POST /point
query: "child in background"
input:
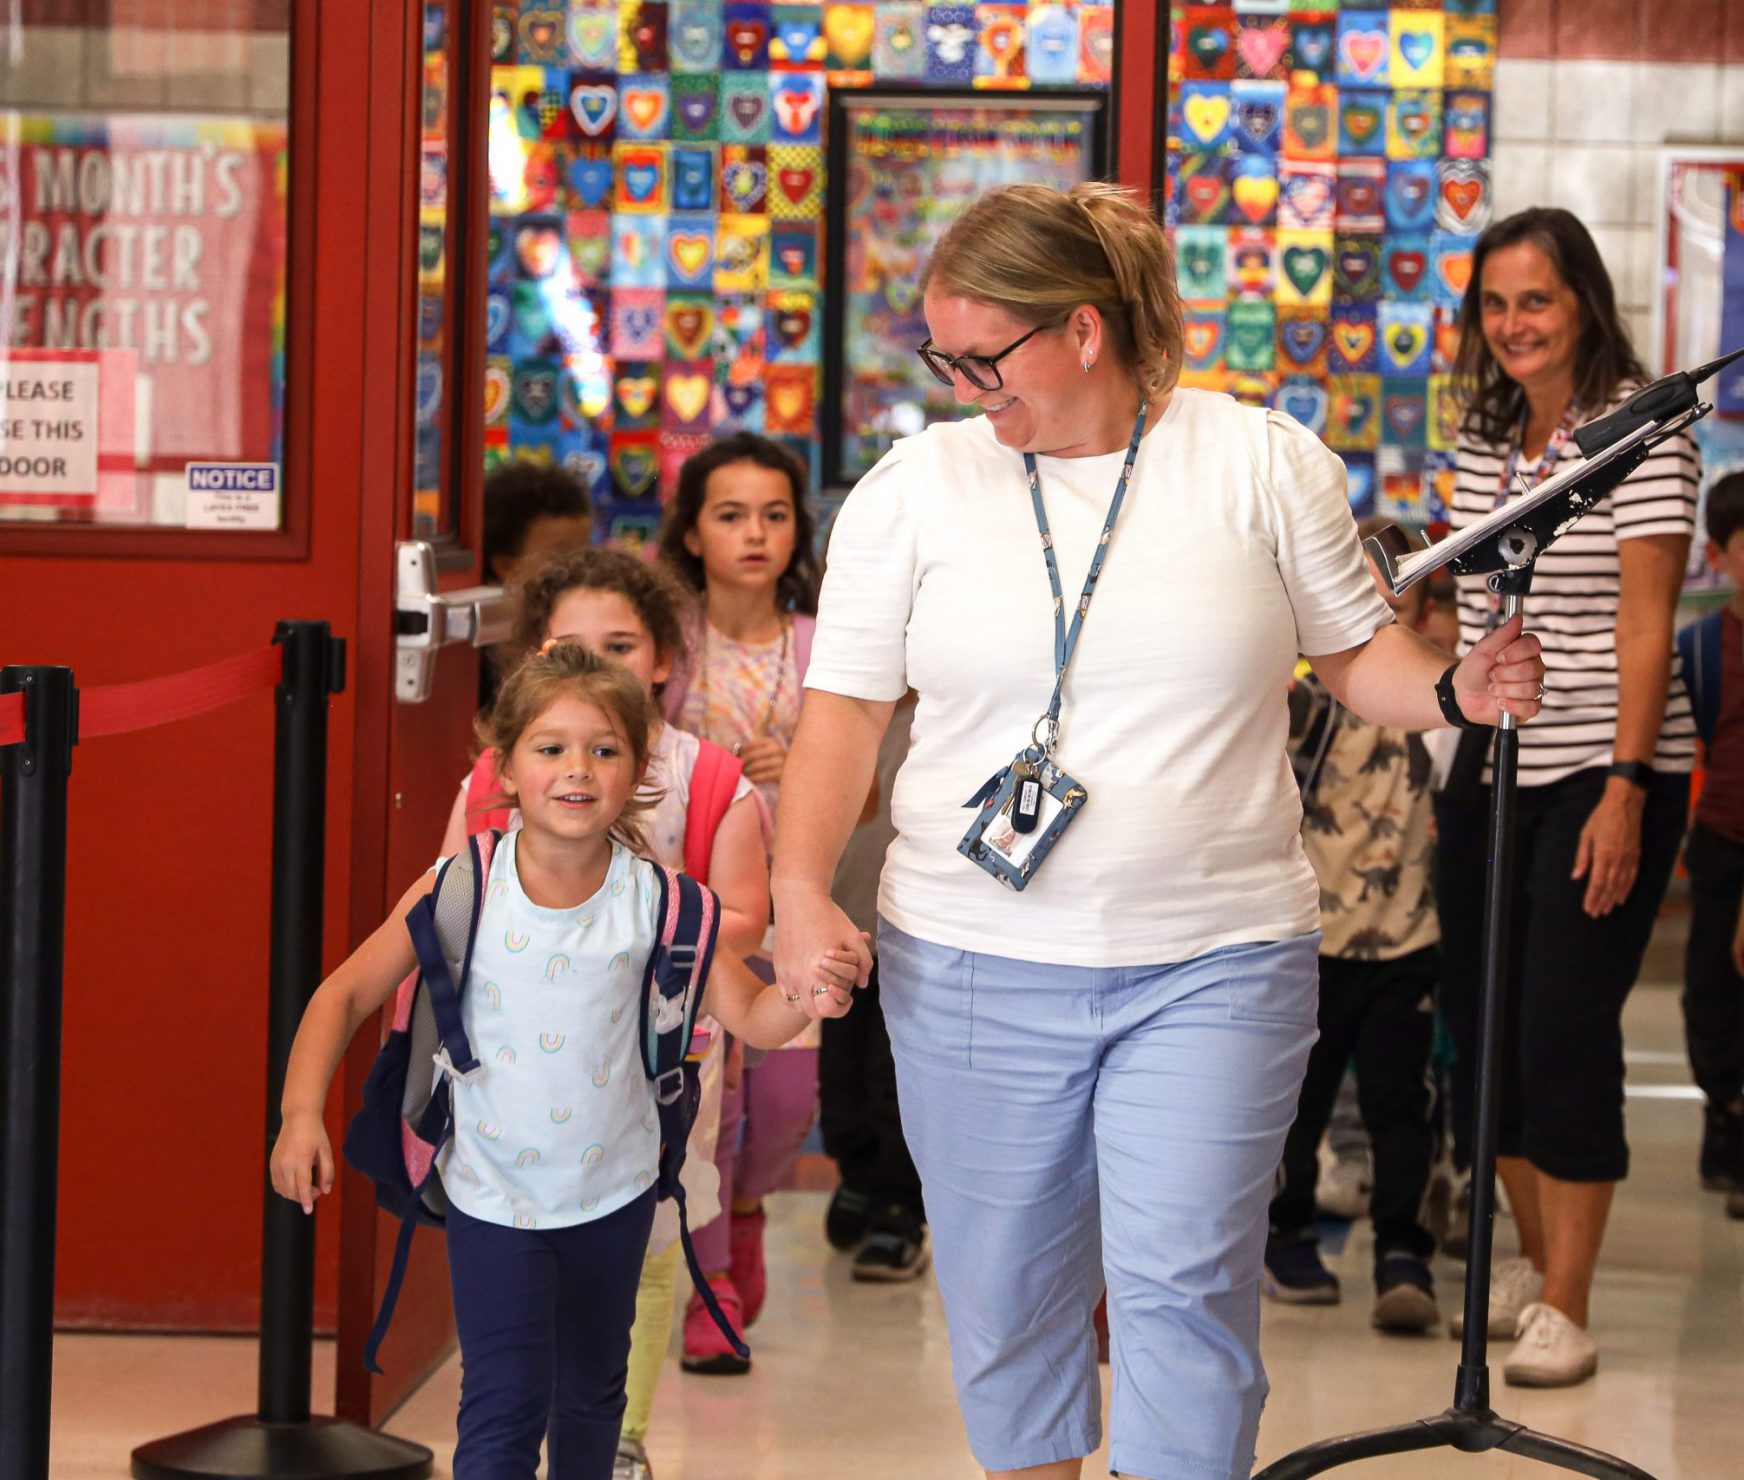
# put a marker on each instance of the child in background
(530, 509)
(739, 533)
(1366, 828)
(1713, 995)
(545, 1243)
(877, 1211)
(625, 609)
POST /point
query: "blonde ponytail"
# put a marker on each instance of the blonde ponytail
(1039, 253)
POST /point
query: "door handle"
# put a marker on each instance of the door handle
(426, 619)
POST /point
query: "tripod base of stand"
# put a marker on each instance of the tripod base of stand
(247, 1449)
(1473, 1431)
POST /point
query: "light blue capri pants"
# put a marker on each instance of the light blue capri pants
(1072, 1123)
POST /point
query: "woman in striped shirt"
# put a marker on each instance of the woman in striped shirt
(1604, 770)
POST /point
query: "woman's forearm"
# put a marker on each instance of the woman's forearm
(1390, 679)
(1643, 680)
(823, 790)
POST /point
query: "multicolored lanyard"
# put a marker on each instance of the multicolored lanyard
(1066, 642)
(1547, 460)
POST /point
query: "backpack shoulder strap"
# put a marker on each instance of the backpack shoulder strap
(713, 781)
(483, 784)
(1699, 646)
(443, 926)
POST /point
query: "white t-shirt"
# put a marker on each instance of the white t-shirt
(561, 1127)
(1235, 552)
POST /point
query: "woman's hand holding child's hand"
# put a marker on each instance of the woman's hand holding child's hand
(302, 1161)
(764, 758)
(838, 973)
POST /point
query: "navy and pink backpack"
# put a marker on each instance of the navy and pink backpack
(406, 1117)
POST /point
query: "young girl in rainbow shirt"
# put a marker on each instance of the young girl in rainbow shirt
(551, 1167)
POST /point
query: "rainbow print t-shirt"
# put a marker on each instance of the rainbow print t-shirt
(561, 1127)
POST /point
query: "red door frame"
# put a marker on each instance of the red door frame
(1141, 96)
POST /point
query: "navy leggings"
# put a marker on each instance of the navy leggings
(544, 1320)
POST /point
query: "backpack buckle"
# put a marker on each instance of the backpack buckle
(669, 1086)
(681, 956)
(446, 1066)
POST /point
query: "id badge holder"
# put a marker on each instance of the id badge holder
(1024, 809)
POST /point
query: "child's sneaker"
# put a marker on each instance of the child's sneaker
(845, 1223)
(896, 1249)
(1345, 1189)
(1552, 1351)
(705, 1348)
(1514, 1285)
(749, 1275)
(631, 1462)
(1294, 1273)
(1404, 1294)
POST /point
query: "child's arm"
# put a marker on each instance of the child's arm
(758, 1013)
(302, 1159)
(739, 874)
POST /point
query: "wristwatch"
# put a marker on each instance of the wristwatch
(1449, 702)
(1636, 773)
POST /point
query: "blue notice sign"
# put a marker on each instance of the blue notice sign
(233, 495)
(233, 477)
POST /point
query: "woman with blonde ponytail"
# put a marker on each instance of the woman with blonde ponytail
(1098, 1061)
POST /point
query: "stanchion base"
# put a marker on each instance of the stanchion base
(247, 1449)
(1470, 1431)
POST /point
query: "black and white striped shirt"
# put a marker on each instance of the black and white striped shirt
(1573, 605)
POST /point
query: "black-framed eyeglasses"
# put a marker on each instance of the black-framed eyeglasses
(981, 371)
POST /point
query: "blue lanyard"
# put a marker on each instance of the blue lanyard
(1066, 642)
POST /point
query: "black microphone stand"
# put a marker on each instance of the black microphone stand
(1505, 546)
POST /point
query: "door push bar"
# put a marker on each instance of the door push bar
(426, 619)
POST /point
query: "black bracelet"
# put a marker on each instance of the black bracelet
(1449, 702)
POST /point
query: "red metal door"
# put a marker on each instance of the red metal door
(162, 1154)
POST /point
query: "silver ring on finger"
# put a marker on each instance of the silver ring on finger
(822, 991)
(791, 996)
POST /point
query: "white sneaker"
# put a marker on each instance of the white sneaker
(1552, 1351)
(1344, 1189)
(1514, 1285)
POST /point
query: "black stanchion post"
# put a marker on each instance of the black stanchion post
(33, 900)
(282, 1440)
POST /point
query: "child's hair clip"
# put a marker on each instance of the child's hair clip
(546, 646)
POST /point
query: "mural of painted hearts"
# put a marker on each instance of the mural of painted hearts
(747, 109)
(745, 184)
(696, 110)
(1462, 196)
(1313, 46)
(1362, 123)
(1306, 402)
(1358, 269)
(1363, 53)
(1257, 118)
(1304, 267)
(1353, 338)
(1415, 120)
(1404, 343)
(1354, 410)
(1261, 47)
(1403, 414)
(593, 40)
(591, 179)
(594, 107)
(1256, 196)
(496, 317)
(1303, 339)
(1201, 337)
(690, 250)
(849, 29)
(587, 465)
(1204, 192)
(796, 108)
(688, 326)
(634, 467)
(636, 395)
(688, 395)
(795, 182)
(740, 400)
(1405, 266)
(496, 393)
(1312, 122)
(538, 249)
(1454, 269)
(1208, 45)
(901, 294)
(641, 181)
(644, 106)
(793, 326)
(1418, 49)
(1206, 115)
(695, 43)
(535, 390)
(1359, 196)
(1307, 196)
(790, 401)
(1201, 268)
(746, 39)
(540, 31)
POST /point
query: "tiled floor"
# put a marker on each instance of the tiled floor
(854, 1381)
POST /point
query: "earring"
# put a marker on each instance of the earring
(1086, 367)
